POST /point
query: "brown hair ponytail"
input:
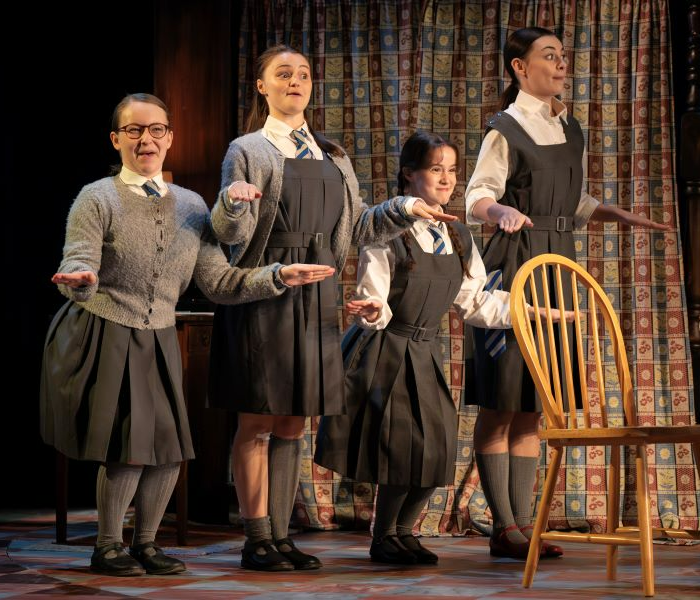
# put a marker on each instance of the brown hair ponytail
(259, 110)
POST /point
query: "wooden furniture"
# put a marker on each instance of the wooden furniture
(209, 488)
(549, 361)
(62, 501)
(203, 488)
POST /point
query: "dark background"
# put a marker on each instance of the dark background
(55, 136)
(56, 113)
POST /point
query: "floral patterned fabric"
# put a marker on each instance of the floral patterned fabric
(384, 68)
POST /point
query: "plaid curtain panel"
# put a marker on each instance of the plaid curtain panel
(384, 68)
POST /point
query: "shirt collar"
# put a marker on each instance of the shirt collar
(422, 225)
(280, 128)
(529, 104)
(131, 178)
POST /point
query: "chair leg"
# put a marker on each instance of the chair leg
(61, 498)
(550, 482)
(644, 512)
(695, 448)
(181, 508)
(613, 509)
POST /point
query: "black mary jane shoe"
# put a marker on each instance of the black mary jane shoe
(113, 560)
(390, 550)
(262, 556)
(300, 560)
(154, 561)
(422, 554)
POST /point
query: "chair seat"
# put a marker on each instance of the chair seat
(622, 436)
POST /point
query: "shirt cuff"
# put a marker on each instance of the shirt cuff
(584, 210)
(408, 205)
(232, 206)
(277, 278)
(472, 198)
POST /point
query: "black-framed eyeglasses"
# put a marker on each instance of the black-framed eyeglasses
(134, 131)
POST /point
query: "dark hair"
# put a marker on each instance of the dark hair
(517, 46)
(260, 110)
(129, 98)
(417, 153)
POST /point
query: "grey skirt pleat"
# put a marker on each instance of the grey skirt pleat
(113, 393)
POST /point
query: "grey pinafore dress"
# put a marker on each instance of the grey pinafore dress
(544, 184)
(401, 423)
(281, 356)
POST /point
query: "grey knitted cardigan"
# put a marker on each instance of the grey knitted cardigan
(145, 251)
(247, 226)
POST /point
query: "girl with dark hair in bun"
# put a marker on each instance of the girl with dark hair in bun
(529, 180)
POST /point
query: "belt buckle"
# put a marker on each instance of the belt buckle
(419, 334)
(318, 239)
(561, 223)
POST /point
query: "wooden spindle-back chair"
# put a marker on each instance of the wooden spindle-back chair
(549, 353)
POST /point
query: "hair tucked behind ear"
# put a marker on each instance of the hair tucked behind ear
(517, 46)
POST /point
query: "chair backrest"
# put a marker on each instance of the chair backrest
(551, 281)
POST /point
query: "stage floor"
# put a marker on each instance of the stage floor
(32, 566)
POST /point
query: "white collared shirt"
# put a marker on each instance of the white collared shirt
(375, 270)
(134, 181)
(492, 167)
(280, 134)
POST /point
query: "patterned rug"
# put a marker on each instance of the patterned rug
(32, 566)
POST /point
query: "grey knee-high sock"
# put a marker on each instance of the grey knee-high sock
(411, 509)
(284, 465)
(116, 485)
(521, 481)
(152, 495)
(493, 472)
(390, 499)
(257, 529)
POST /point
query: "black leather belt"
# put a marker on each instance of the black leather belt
(548, 223)
(418, 334)
(297, 239)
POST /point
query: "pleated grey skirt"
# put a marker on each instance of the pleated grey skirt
(113, 393)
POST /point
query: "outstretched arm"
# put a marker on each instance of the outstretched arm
(225, 284)
(606, 212)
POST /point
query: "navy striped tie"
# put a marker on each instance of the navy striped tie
(150, 191)
(300, 138)
(438, 240)
(495, 338)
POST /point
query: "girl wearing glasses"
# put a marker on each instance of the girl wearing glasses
(529, 180)
(111, 387)
(288, 194)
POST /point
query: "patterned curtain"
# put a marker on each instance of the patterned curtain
(384, 68)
